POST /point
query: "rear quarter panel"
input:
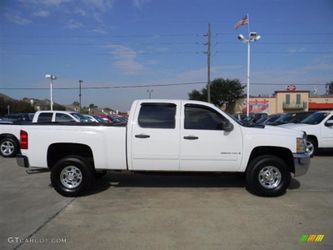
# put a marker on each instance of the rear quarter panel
(108, 144)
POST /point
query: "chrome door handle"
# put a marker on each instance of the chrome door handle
(191, 137)
(142, 136)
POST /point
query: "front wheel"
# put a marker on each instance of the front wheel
(268, 175)
(311, 146)
(72, 176)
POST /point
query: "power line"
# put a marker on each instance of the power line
(105, 87)
(149, 85)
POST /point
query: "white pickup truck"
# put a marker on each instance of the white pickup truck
(170, 136)
(319, 129)
(10, 132)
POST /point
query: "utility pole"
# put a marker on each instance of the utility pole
(209, 43)
(80, 94)
(150, 91)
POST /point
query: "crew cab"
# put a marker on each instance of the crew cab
(166, 136)
(319, 129)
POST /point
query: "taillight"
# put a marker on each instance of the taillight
(23, 139)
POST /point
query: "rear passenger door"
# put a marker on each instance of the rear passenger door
(155, 137)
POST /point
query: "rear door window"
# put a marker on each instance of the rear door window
(45, 117)
(157, 115)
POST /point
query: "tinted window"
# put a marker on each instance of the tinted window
(157, 115)
(45, 117)
(201, 117)
(63, 118)
(315, 118)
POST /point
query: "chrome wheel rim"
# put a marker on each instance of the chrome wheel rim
(71, 177)
(270, 177)
(7, 148)
(309, 147)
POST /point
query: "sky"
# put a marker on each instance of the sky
(124, 49)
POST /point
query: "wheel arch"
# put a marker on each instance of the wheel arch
(57, 151)
(6, 135)
(283, 153)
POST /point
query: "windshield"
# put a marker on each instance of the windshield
(285, 118)
(315, 118)
(80, 117)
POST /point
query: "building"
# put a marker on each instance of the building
(284, 101)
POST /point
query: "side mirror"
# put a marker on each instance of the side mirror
(329, 123)
(228, 127)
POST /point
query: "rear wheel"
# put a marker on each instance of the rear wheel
(8, 147)
(72, 176)
(268, 175)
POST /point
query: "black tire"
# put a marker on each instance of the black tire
(72, 176)
(8, 147)
(99, 175)
(311, 146)
(267, 175)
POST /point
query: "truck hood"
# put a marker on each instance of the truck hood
(297, 126)
(276, 131)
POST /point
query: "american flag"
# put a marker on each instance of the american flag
(243, 21)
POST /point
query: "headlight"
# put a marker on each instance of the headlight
(300, 145)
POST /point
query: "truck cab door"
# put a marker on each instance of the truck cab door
(209, 141)
(154, 142)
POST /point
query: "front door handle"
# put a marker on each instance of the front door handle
(142, 136)
(191, 137)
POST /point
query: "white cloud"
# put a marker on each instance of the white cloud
(17, 18)
(99, 5)
(139, 3)
(73, 24)
(80, 12)
(41, 13)
(48, 2)
(126, 59)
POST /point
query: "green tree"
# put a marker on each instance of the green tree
(223, 92)
(329, 88)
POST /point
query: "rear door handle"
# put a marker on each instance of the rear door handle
(191, 137)
(142, 136)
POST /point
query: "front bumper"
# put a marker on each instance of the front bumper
(301, 163)
(22, 161)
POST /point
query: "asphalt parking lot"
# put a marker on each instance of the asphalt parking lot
(127, 211)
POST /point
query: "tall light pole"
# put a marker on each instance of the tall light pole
(209, 41)
(150, 91)
(80, 94)
(51, 77)
(253, 37)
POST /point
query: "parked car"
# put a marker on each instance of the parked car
(282, 119)
(300, 116)
(9, 134)
(18, 117)
(47, 116)
(319, 129)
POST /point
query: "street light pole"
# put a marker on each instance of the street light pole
(253, 37)
(51, 77)
(248, 79)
